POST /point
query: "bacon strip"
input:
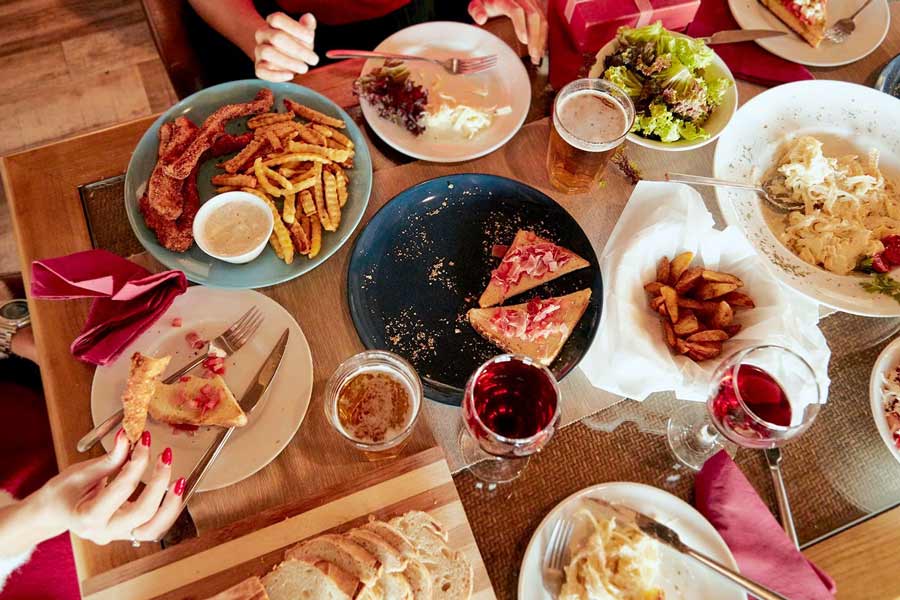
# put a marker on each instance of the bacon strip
(213, 127)
(229, 143)
(164, 194)
(177, 235)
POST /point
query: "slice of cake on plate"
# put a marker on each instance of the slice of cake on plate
(806, 17)
(529, 262)
(196, 401)
(537, 328)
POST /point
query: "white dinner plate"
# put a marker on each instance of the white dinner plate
(507, 83)
(680, 576)
(888, 358)
(276, 419)
(872, 26)
(848, 118)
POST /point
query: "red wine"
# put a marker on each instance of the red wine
(514, 399)
(761, 395)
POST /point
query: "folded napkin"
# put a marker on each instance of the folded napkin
(760, 546)
(747, 60)
(129, 299)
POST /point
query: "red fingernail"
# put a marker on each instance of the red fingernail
(167, 456)
(179, 486)
(120, 433)
(145, 438)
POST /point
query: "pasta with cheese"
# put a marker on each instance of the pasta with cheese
(849, 207)
(615, 562)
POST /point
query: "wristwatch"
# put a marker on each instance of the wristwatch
(13, 317)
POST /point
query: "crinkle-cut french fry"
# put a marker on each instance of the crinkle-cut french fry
(261, 195)
(315, 238)
(226, 188)
(273, 139)
(268, 119)
(282, 234)
(273, 241)
(300, 237)
(307, 203)
(333, 134)
(331, 201)
(234, 180)
(341, 183)
(296, 157)
(283, 181)
(288, 210)
(298, 185)
(311, 114)
(237, 162)
(263, 178)
(332, 153)
(321, 210)
(311, 136)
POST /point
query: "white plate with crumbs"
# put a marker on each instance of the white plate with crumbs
(884, 367)
(848, 119)
(872, 26)
(209, 312)
(505, 85)
(679, 577)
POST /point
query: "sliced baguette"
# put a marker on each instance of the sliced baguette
(451, 574)
(393, 586)
(297, 580)
(392, 536)
(496, 293)
(249, 589)
(175, 404)
(813, 33)
(341, 552)
(543, 350)
(419, 579)
(387, 555)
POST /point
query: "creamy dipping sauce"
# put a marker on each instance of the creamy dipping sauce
(593, 116)
(235, 228)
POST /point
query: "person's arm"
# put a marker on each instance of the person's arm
(22, 344)
(279, 46)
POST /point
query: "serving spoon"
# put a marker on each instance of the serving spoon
(780, 202)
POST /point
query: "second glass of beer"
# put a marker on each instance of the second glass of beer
(591, 118)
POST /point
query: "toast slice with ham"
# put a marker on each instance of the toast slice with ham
(538, 328)
(529, 262)
(807, 20)
(197, 401)
(139, 388)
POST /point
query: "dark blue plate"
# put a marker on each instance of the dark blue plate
(424, 259)
(889, 79)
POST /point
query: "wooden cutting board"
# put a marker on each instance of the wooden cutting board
(199, 568)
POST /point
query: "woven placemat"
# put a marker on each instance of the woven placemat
(104, 207)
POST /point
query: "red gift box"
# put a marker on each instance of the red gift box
(592, 23)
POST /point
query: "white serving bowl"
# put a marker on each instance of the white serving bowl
(216, 202)
(717, 121)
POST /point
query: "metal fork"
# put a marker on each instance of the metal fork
(841, 30)
(555, 555)
(225, 344)
(454, 66)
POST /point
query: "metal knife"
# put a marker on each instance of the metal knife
(740, 35)
(669, 537)
(773, 457)
(248, 402)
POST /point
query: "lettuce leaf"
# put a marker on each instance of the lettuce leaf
(715, 89)
(625, 79)
(661, 123)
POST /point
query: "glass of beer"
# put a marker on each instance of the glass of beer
(591, 118)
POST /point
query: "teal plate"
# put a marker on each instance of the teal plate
(268, 269)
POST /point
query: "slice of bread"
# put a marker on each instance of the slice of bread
(387, 555)
(498, 291)
(139, 389)
(341, 552)
(419, 580)
(451, 574)
(197, 401)
(493, 324)
(297, 580)
(394, 586)
(346, 582)
(249, 589)
(392, 536)
(813, 32)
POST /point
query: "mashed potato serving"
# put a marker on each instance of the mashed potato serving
(849, 207)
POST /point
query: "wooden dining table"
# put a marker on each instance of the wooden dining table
(50, 191)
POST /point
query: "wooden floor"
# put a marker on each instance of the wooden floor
(71, 66)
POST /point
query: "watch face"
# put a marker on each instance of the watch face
(15, 310)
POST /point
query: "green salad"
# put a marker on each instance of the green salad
(668, 80)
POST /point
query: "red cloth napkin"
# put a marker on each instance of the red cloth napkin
(747, 60)
(129, 299)
(760, 546)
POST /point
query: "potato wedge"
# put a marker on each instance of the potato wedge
(680, 264)
(653, 287)
(718, 276)
(710, 335)
(663, 271)
(668, 333)
(681, 346)
(684, 302)
(656, 302)
(709, 290)
(687, 324)
(670, 298)
(704, 351)
(688, 280)
(722, 316)
(739, 299)
(733, 330)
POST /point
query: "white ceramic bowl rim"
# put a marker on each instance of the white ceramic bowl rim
(224, 198)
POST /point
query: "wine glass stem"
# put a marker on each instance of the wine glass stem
(705, 438)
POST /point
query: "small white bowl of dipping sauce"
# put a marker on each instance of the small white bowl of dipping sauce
(233, 226)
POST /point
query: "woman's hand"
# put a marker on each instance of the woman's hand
(284, 47)
(528, 17)
(91, 498)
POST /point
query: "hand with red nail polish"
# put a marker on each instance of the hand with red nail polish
(91, 499)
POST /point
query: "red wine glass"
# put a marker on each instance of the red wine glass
(760, 397)
(510, 410)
